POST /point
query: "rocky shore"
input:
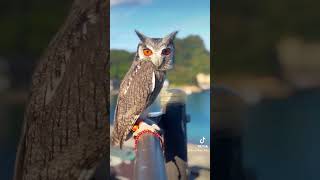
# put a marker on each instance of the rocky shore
(253, 90)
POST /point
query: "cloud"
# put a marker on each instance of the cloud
(128, 2)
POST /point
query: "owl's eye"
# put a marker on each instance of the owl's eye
(166, 51)
(147, 52)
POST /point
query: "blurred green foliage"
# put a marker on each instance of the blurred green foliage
(191, 58)
(120, 62)
(27, 26)
(247, 33)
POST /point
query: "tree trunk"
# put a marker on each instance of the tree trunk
(66, 125)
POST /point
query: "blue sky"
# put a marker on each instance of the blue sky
(157, 18)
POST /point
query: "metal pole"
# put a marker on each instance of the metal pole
(149, 163)
(173, 122)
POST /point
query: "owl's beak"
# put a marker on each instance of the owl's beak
(160, 61)
(157, 61)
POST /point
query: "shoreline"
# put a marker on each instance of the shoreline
(254, 90)
(188, 89)
(202, 84)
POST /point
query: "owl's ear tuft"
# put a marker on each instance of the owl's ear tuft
(141, 36)
(170, 37)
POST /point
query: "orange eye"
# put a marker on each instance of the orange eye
(147, 52)
(166, 51)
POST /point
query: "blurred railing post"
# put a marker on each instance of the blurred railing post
(173, 122)
(229, 123)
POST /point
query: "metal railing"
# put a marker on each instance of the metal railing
(151, 163)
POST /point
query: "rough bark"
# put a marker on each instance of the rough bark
(66, 125)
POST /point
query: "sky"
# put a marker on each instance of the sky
(157, 18)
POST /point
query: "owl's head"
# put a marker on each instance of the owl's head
(160, 51)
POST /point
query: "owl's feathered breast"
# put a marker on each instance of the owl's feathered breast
(138, 90)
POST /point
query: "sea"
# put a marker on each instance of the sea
(281, 140)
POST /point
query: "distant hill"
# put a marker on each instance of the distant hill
(191, 58)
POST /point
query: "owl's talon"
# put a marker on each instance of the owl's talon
(144, 126)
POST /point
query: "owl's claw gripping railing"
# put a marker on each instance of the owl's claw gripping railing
(154, 162)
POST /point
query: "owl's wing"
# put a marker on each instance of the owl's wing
(136, 92)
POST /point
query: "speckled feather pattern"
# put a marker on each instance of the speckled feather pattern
(135, 95)
(65, 132)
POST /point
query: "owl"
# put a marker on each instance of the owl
(142, 84)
